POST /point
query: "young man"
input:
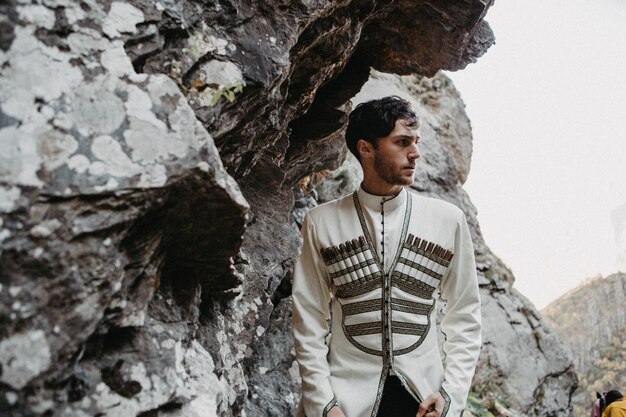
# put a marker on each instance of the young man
(379, 258)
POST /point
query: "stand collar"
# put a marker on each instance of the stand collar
(376, 202)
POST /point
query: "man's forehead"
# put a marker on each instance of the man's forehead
(403, 124)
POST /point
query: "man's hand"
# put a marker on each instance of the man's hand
(432, 406)
(335, 411)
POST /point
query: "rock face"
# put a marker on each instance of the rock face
(591, 322)
(152, 156)
(588, 317)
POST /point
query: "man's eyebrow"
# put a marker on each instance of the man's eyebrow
(417, 137)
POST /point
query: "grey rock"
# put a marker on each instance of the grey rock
(151, 159)
(587, 317)
(272, 385)
(23, 356)
(590, 321)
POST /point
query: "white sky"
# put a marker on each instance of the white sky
(548, 111)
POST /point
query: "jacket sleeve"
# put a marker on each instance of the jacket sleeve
(461, 322)
(311, 298)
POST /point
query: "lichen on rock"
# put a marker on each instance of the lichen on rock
(151, 156)
(23, 356)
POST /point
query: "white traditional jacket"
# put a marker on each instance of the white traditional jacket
(379, 262)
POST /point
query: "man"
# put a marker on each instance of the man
(379, 258)
(615, 404)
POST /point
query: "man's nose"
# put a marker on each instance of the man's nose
(414, 152)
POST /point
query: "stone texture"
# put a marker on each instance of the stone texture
(114, 200)
(23, 356)
(587, 317)
(391, 47)
(153, 155)
(591, 321)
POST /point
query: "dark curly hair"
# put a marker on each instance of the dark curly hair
(375, 119)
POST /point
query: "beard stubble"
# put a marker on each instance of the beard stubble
(387, 172)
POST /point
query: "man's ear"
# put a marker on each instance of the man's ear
(365, 149)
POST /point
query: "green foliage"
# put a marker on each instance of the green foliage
(488, 403)
(227, 91)
(198, 45)
(607, 373)
(477, 407)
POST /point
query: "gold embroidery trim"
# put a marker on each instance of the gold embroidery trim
(381, 386)
(421, 339)
(447, 401)
(362, 329)
(400, 327)
(397, 304)
(406, 306)
(409, 284)
(357, 345)
(330, 405)
(361, 307)
(361, 286)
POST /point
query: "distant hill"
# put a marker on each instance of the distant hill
(591, 322)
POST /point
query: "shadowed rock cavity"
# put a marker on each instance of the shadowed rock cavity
(285, 53)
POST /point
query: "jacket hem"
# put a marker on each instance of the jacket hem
(381, 386)
(408, 386)
(447, 400)
(330, 405)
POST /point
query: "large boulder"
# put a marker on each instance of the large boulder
(149, 155)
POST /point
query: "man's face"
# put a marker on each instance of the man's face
(395, 155)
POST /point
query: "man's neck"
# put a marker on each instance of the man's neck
(383, 190)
